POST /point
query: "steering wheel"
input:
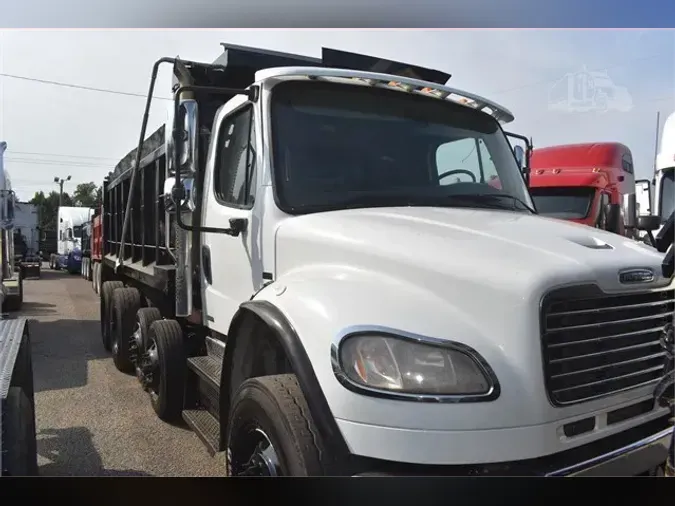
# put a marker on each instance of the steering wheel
(458, 171)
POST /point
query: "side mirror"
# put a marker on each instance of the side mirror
(643, 196)
(522, 155)
(613, 217)
(519, 153)
(648, 223)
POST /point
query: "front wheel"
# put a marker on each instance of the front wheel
(271, 431)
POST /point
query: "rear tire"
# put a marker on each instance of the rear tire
(99, 278)
(271, 411)
(126, 303)
(145, 317)
(105, 314)
(168, 373)
(19, 441)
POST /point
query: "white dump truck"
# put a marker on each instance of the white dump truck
(332, 266)
(18, 448)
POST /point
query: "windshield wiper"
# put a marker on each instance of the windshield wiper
(494, 197)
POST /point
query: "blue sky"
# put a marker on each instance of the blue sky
(84, 133)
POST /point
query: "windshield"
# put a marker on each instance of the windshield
(339, 146)
(667, 205)
(77, 232)
(563, 203)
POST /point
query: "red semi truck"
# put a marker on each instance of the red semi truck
(591, 183)
(91, 260)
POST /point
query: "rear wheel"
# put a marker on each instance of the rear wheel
(94, 268)
(145, 317)
(106, 314)
(271, 431)
(163, 368)
(19, 442)
(99, 278)
(126, 303)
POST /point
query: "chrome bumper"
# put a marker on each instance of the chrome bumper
(631, 460)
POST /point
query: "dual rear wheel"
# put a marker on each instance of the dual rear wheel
(270, 430)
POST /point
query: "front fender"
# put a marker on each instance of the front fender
(320, 302)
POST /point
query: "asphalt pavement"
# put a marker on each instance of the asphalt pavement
(93, 420)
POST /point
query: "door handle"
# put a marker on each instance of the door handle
(206, 264)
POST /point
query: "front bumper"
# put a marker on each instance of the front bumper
(631, 460)
(11, 287)
(636, 451)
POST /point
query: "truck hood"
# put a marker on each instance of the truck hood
(500, 250)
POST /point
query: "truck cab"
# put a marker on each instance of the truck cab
(592, 184)
(70, 224)
(331, 267)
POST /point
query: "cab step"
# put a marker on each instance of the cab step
(208, 368)
(205, 425)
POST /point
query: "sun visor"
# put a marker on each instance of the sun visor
(354, 61)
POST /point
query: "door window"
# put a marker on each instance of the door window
(235, 163)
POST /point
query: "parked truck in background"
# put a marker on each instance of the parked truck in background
(304, 265)
(70, 222)
(658, 195)
(18, 447)
(27, 240)
(48, 244)
(12, 279)
(91, 260)
(591, 183)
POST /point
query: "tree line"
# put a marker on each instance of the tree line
(85, 195)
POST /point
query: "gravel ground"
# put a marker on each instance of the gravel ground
(93, 420)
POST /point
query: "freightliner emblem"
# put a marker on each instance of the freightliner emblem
(634, 276)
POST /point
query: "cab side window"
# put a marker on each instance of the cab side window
(627, 163)
(234, 178)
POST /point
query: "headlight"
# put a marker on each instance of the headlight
(400, 365)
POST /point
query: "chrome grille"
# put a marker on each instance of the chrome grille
(596, 345)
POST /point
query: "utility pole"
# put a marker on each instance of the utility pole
(60, 182)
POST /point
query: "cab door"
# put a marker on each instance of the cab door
(231, 271)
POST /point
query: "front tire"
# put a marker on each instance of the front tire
(126, 303)
(105, 314)
(271, 431)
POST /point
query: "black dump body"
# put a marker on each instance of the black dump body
(146, 258)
